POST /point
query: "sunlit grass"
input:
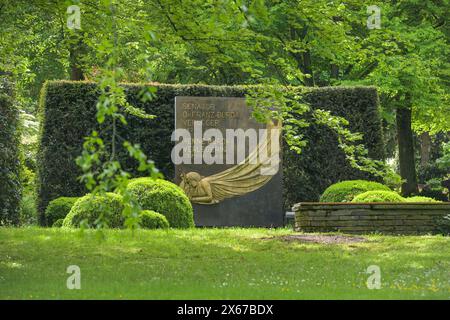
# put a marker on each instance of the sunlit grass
(217, 264)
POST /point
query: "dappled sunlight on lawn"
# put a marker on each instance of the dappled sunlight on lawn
(218, 263)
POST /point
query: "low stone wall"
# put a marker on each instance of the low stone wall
(387, 218)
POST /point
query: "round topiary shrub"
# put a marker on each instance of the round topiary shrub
(58, 209)
(58, 223)
(379, 196)
(89, 208)
(164, 197)
(345, 191)
(421, 199)
(153, 220)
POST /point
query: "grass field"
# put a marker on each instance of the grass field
(217, 264)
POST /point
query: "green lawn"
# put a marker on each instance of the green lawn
(217, 264)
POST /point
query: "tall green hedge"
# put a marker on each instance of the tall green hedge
(322, 162)
(10, 188)
(67, 113)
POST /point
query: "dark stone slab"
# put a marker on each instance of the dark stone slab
(261, 207)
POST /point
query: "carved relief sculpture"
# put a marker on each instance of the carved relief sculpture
(238, 180)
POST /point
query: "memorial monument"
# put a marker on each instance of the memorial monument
(227, 163)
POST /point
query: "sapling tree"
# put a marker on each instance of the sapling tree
(102, 171)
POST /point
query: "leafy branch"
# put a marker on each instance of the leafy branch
(102, 171)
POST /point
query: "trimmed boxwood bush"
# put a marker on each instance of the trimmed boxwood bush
(379, 196)
(345, 191)
(58, 223)
(10, 188)
(164, 197)
(58, 209)
(421, 199)
(153, 220)
(90, 207)
(67, 115)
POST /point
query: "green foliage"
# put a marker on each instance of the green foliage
(28, 213)
(58, 209)
(322, 161)
(285, 42)
(58, 223)
(434, 184)
(346, 191)
(437, 192)
(153, 220)
(313, 42)
(289, 106)
(444, 161)
(392, 180)
(443, 225)
(90, 210)
(164, 197)
(431, 175)
(29, 130)
(420, 199)
(379, 196)
(68, 114)
(10, 187)
(407, 60)
(102, 170)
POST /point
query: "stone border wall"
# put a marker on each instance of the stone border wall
(388, 218)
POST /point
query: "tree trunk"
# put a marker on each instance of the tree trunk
(307, 68)
(406, 151)
(334, 71)
(76, 73)
(425, 147)
(303, 60)
(76, 51)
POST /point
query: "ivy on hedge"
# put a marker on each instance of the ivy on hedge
(10, 188)
(67, 114)
(322, 162)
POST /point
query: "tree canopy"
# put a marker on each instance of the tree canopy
(276, 42)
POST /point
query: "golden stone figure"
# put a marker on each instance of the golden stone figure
(243, 178)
